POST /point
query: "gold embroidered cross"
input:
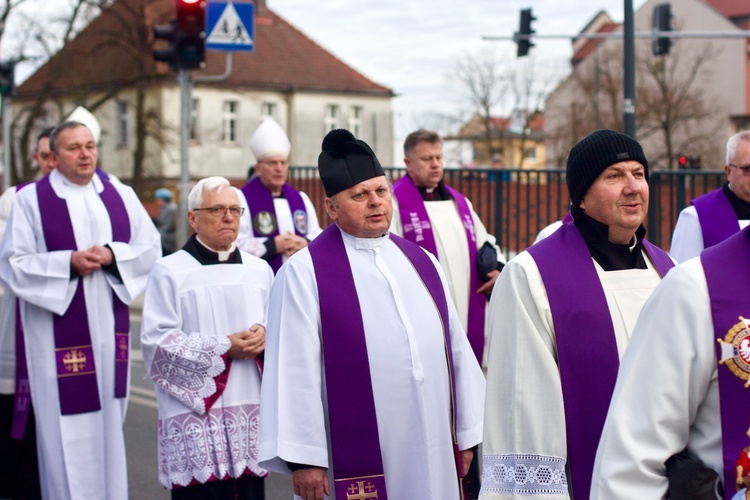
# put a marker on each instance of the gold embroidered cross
(74, 360)
(361, 491)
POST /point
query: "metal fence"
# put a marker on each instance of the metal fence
(515, 204)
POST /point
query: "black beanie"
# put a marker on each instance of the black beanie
(594, 154)
(345, 162)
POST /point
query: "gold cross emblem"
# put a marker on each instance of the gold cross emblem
(361, 491)
(74, 360)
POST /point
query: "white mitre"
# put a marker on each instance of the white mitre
(269, 140)
(83, 115)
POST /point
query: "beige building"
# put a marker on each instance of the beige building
(687, 103)
(109, 69)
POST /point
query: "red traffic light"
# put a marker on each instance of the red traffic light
(683, 161)
(190, 1)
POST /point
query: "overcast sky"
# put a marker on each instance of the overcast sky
(410, 46)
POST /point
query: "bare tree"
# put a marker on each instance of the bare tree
(672, 102)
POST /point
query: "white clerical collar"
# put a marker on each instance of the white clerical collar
(635, 242)
(223, 256)
(365, 243)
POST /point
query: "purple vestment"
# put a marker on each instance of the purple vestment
(586, 344)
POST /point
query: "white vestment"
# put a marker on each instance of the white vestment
(81, 456)
(253, 243)
(188, 312)
(547, 231)
(524, 410)
(408, 369)
(452, 247)
(687, 238)
(667, 393)
(7, 311)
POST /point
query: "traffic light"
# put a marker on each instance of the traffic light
(191, 31)
(168, 33)
(7, 79)
(186, 36)
(524, 44)
(662, 21)
(689, 162)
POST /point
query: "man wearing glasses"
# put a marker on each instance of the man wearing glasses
(202, 334)
(719, 214)
(280, 220)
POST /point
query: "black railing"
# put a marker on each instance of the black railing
(515, 204)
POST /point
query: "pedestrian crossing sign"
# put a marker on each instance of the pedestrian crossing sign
(230, 26)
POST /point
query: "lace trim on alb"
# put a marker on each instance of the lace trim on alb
(185, 366)
(222, 442)
(524, 475)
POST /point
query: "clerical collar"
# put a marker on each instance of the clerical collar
(365, 243)
(437, 194)
(207, 256)
(740, 206)
(611, 256)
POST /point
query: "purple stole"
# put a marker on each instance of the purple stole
(356, 457)
(263, 213)
(727, 268)
(716, 216)
(22, 398)
(586, 345)
(417, 229)
(76, 371)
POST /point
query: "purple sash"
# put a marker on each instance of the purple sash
(356, 456)
(726, 283)
(417, 229)
(263, 213)
(716, 216)
(22, 399)
(76, 370)
(586, 345)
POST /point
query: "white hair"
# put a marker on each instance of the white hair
(215, 183)
(735, 141)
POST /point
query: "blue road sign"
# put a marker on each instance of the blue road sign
(230, 26)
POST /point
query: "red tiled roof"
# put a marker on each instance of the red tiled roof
(115, 48)
(590, 45)
(731, 8)
(500, 123)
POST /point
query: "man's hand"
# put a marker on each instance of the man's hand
(489, 285)
(85, 262)
(310, 484)
(104, 253)
(466, 457)
(289, 243)
(247, 344)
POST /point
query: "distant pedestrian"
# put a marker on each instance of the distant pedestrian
(166, 221)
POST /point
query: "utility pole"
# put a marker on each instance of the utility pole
(628, 102)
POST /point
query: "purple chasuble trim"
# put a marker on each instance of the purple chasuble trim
(76, 370)
(716, 216)
(260, 199)
(355, 444)
(586, 344)
(418, 229)
(725, 284)
(22, 397)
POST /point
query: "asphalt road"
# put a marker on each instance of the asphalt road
(141, 436)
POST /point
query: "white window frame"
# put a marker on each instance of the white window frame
(355, 120)
(123, 120)
(229, 121)
(268, 108)
(331, 117)
(531, 153)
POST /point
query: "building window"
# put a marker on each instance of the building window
(331, 117)
(195, 121)
(122, 126)
(229, 114)
(531, 153)
(268, 109)
(355, 121)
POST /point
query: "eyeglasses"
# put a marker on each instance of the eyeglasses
(745, 169)
(222, 211)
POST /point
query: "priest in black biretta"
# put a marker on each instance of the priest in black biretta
(345, 162)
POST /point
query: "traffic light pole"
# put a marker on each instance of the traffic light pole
(628, 84)
(186, 116)
(7, 142)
